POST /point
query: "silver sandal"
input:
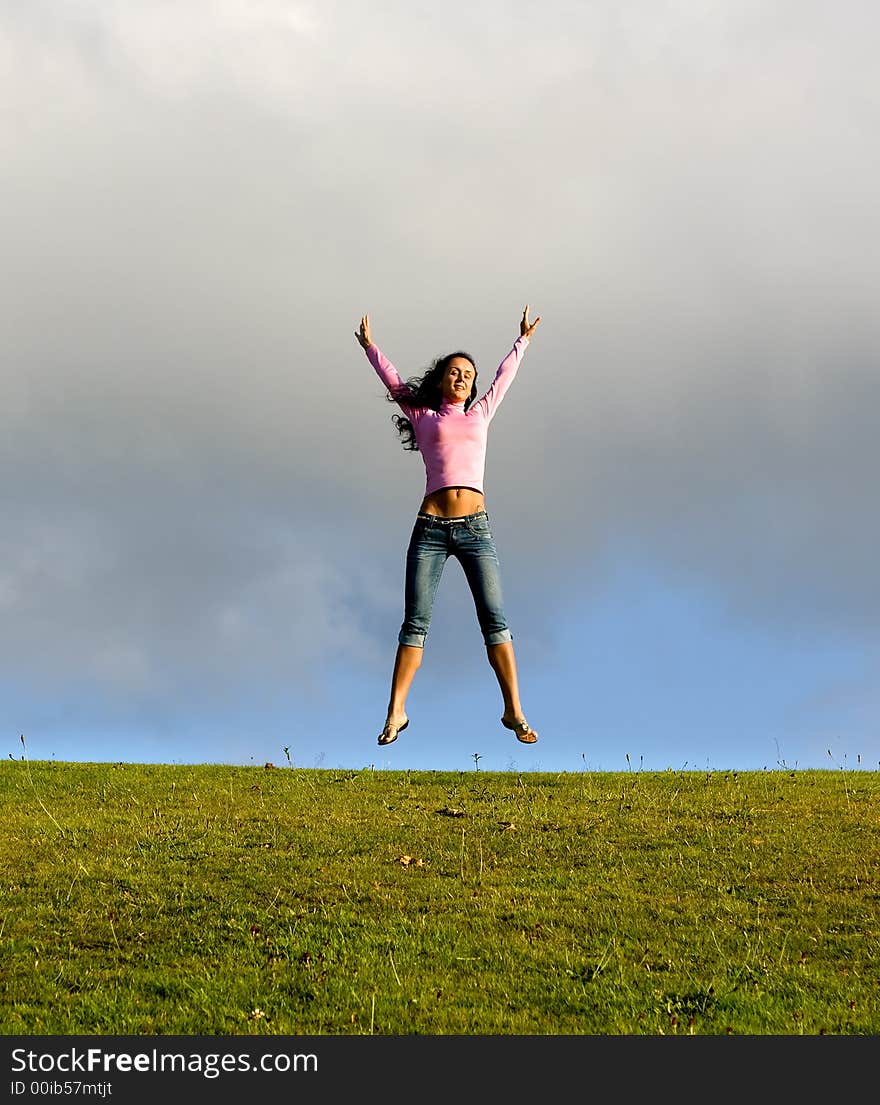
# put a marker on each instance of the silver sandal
(386, 738)
(524, 732)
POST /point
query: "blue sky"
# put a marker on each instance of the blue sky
(205, 503)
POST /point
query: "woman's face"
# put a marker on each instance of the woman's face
(458, 379)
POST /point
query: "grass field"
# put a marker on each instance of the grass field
(174, 900)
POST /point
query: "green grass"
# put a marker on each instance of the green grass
(203, 900)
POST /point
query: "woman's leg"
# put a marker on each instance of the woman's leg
(406, 664)
(479, 559)
(425, 558)
(503, 663)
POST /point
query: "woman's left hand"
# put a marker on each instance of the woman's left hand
(526, 329)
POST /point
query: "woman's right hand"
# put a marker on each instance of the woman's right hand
(363, 334)
(526, 328)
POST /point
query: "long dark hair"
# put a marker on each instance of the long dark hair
(426, 391)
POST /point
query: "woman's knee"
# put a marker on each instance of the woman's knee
(496, 634)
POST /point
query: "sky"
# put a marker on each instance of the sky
(205, 505)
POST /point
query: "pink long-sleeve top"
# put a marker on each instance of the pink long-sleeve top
(452, 440)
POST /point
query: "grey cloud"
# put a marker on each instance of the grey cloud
(197, 212)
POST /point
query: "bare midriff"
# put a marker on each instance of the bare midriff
(453, 502)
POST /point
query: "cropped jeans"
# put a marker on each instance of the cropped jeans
(433, 541)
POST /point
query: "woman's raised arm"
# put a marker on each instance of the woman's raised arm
(385, 370)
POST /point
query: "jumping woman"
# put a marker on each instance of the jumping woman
(442, 420)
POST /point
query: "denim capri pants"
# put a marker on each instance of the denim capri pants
(433, 541)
